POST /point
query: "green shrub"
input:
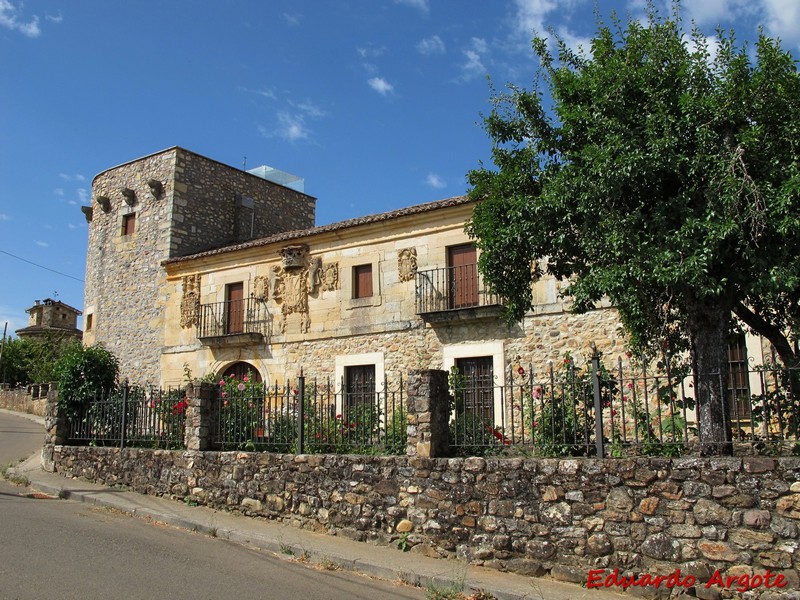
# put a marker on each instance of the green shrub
(84, 372)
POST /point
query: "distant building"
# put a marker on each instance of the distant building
(48, 317)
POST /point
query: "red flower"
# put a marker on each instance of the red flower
(245, 379)
(222, 382)
(537, 392)
(521, 371)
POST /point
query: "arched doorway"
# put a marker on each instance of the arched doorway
(239, 369)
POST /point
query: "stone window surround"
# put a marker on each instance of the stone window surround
(494, 349)
(346, 285)
(341, 361)
(124, 212)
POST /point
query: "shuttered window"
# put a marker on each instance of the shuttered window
(362, 281)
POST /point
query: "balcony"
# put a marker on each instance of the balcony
(450, 294)
(235, 323)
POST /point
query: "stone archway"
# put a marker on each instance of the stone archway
(240, 369)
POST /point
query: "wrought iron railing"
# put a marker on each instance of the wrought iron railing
(129, 416)
(452, 288)
(594, 411)
(232, 318)
(308, 418)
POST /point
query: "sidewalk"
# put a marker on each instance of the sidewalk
(288, 542)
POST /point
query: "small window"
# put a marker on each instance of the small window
(360, 386)
(89, 322)
(362, 281)
(128, 224)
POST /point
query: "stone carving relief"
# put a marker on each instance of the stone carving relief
(295, 298)
(190, 302)
(407, 263)
(314, 274)
(294, 257)
(261, 288)
(330, 277)
(275, 283)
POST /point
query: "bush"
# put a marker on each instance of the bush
(83, 373)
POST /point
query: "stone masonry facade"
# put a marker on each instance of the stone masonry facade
(168, 204)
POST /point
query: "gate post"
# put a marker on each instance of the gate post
(428, 405)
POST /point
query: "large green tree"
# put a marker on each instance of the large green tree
(661, 171)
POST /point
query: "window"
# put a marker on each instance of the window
(362, 281)
(128, 224)
(359, 386)
(477, 387)
(738, 379)
(89, 322)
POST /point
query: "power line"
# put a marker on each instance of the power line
(40, 266)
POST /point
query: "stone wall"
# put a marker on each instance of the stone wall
(562, 517)
(31, 399)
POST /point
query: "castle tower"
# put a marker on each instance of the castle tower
(168, 204)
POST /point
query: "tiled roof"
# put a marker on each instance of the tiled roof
(340, 225)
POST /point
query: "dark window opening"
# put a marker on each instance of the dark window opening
(738, 379)
(476, 388)
(360, 386)
(240, 370)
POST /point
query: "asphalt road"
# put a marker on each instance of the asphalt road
(53, 548)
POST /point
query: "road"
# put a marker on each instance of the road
(53, 548)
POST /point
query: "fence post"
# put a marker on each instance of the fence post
(301, 393)
(123, 420)
(202, 415)
(598, 407)
(428, 414)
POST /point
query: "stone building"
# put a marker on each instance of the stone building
(50, 318)
(197, 268)
(169, 204)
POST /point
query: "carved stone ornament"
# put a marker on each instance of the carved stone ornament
(330, 277)
(104, 202)
(407, 263)
(261, 288)
(275, 283)
(314, 274)
(295, 298)
(190, 302)
(294, 257)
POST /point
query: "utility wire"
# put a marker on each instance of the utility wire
(40, 266)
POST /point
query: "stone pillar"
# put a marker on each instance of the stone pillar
(199, 416)
(428, 406)
(56, 429)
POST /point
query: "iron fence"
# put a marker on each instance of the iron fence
(130, 417)
(595, 411)
(309, 417)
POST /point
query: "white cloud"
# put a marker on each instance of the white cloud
(292, 127)
(421, 5)
(533, 17)
(435, 181)
(72, 226)
(370, 51)
(431, 45)
(58, 191)
(4, 217)
(380, 85)
(9, 19)
(291, 20)
(83, 195)
(474, 66)
(710, 13)
(55, 18)
(41, 244)
(783, 20)
(67, 176)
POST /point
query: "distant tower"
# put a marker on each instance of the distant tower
(51, 319)
(168, 204)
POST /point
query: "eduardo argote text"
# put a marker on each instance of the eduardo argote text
(598, 578)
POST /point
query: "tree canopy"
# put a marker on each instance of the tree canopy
(659, 170)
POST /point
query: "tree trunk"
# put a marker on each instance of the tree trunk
(707, 323)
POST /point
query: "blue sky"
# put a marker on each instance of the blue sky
(376, 103)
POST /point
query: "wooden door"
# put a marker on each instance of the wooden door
(234, 308)
(463, 267)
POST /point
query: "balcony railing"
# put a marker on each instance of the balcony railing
(247, 317)
(452, 289)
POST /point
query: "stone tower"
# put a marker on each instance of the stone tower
(168, 204)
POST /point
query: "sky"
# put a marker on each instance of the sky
(377, 104)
